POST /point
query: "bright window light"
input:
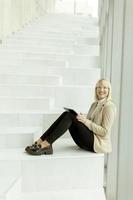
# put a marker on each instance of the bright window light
(79, 7)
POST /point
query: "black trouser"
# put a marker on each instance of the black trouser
(81, 135)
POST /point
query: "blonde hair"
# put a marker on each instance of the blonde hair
(109, 97)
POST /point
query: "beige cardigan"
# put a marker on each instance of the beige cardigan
(101, 116)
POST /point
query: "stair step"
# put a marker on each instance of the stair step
(80, 194)
(30, 79)
(82, 41)
(33, 119)
(54, 35)
(44, 62)
(21, 119)
(67, 155)
(6, 48)
(92, 50)
(63, 77)
(69, 26)
(48, 31)
(52, 42)
(58, 32)
(26, 103)
(55, 70)
(62, 165)
(62, 24)
(83, 61)
(51, 61)
(63, 96)
(19, 130)
(48, 56)
(63, 149)
(88, 76)
(45, 40)
(82, 76)
(38, 44)
(68, 17)
(17, 137)
(71, 29)
(91, 22)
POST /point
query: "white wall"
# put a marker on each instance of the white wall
(116, 31)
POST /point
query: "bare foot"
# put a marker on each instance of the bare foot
(39, 141)
(45, 144)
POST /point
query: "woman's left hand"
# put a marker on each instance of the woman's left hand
(81, 118)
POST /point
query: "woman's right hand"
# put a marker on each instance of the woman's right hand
(81, 118)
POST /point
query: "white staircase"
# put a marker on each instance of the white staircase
(51, 64)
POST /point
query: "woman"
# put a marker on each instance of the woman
(91, 133)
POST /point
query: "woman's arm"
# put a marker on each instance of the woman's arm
(108, 118)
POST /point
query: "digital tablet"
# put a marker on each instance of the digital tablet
(71, 111)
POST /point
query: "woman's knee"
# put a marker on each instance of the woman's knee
(64, 113)
(67, 114)
(78, 124)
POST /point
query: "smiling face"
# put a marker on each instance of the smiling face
(102, 89)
